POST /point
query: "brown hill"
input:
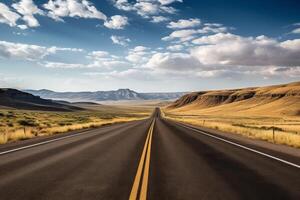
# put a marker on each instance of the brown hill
(12, 98)
(271, 100)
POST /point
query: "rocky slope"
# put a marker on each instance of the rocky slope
(278, 99)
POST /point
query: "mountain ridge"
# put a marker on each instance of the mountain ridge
(111, 95)
(281, 99)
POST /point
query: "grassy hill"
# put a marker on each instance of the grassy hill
(12, 98)
(253, 112)
(278, 100)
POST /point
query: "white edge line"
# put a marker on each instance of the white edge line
(242, 146)
(41, 143)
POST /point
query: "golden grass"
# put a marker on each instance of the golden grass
(20, 124)
(287, 130)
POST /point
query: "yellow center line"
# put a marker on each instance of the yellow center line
(136, 183)
(143, 194)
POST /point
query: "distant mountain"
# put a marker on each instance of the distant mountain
(13, 98)
(113, 95)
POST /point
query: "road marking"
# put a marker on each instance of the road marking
(143, 194)
(41, 143)
(242, 146)
(144, 163)
(45, 142)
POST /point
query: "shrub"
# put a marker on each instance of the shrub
(23, 122)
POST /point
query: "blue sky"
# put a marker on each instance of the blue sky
(148, 45)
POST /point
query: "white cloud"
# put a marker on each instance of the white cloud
(177, 47)
(97, 59)
(167, 2)
(54, 49)
(229, 55)
(116, 22)
(213, 39)
(185, 35)
(120, 40)
(28, 9)
(184, 23)
(7, 16)
(21, 51)
(131, 73)
(182, 35)
(103, 59)
(233, 50)
(138, 54)
(140, 49)
(158, 19)
(296, 31)
(57, 9)
(213, 24)
(62, 65)
(210, 29)
(146, 8)
(173, 62)
(98, 55)
(110, 64)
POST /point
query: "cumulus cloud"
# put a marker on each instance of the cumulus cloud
(21, 51)
(131, 73)
(147, 8)
(213, 39)
(226, 54)
(184, 23)
(167, 2)
(190, 31)
(96, 59)
(211, 29)
(120, 40)
(48, 64)
(116, 22)
(103, 59)
(138, 54)
(173, 62)
(28, 9)
(176, 47)
(158, 19)
(57, 9)
(7, 16)
(54, 49)
(233, 50)
(296, 31)
(98, 55)
(182, 35)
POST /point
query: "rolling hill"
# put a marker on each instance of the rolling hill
(12, 98)
(260, 101)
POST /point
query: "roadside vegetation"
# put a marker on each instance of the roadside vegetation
(22, 124)
(279, 130)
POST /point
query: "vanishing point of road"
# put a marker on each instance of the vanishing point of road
(153, 158)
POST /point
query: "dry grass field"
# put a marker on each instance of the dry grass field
(23, 124)
(252, 112)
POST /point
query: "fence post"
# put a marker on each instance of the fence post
(24, 132)
(273, 134)
(203, 122)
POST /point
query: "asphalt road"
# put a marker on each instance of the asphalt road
(153, 159)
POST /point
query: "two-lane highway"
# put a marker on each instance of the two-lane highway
(148, 159)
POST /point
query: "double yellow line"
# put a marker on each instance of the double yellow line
(144, 166)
